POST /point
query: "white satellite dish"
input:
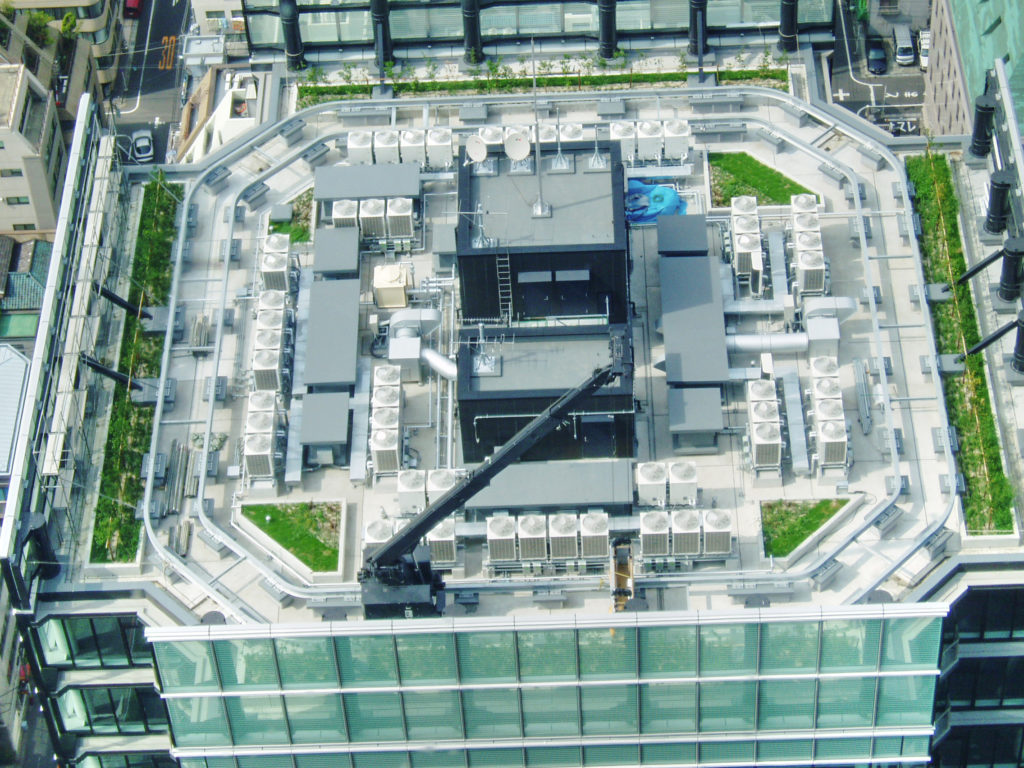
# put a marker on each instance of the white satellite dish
(517, 147)
(476, 149)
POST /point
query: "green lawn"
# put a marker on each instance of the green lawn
(785, 524)
(307, 530)
(298, 227)
(737, 173)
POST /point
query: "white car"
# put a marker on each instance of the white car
(924, 45)
(142, 146)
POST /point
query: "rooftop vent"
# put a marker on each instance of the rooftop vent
(827, 387)
(594, 534)
(829, 410)
(533, 543)
(808, 241)
(441, 541)
(378, 532)
(832, 442)
(741, 224)
(764, 410)
(806, 222)
(650, 483)
(766, 441)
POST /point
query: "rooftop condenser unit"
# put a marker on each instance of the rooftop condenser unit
(594, 534)
(412, 491)
(625, 133)
(441, 542)
(266, 370)
(548, 133)
(743, 204)
(562, 530)
(745, 245)
(826, 387)
(267, 340)
(260, 422)
(360, 147)
(386, 397)
(678, 137)
(385, 146)
(806, 222)
(650, 137)
(277, 242)
(804, 203)
(682, 482)
(766, 445)
(501, 538)
(829, 410)
(378, 532)
(400, 217)
(761, 389)
(259, 455)
(764, 410)
(386, 450)
(345, 213)
(824, 366)
(262, 400)
(571, 132)
(686, 532)
(717, 532)
(274, 271)
(372, 222)
(384, 418)
(810, 271)
(650, 483)
(533, 541)
(269, 300)
(439, 482)
(270, 320)
(654, 534)
(440, 148)
(492, 135)
(387, 376)
(807, 241)
(412, 143)
(745, 223)
(832, 442)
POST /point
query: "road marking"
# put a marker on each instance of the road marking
(841, 95)
(169, 43)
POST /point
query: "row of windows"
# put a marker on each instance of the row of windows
(119, 709)
(84, 642)
(990, 614)
(17, 200)
(985, 684)
(553, 712)
(158, 760)
(981, 747)
(709, 753)
(621, 653)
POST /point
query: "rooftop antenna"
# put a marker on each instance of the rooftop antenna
(559, 161)
(541, 209)
(597, 161)
(480, 239)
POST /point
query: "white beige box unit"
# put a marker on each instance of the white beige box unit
(766, 445)
(830, 409)
(387, 376)
(678, 139)
(810, 271)
(385, 146)
(360, 148)
(682, 482)
(501, 538)
(651, 483)
(372, 218)
(390, 285)
(806, 222)
(493, 136)
(378, 532)
(763, 410)
(262, 400)
(571, 131)
(267, 340)
(386, 450)
(594, 534)
(761, 389)
(743, 205)
(533, 539)
(400, 223)
(548, 133)
(386, 397)
(260, 422)
(824, 366)
(385, 418)
(624, 132)
(826, 387)
(274, 271)
(270, 300)
(440, 148)
(650, 138)
(439, 482)
(718, 527)
(270, 320)
(412, 491)
(260, 461)
(345, 213)
(809, 240)
(562, 529)
(686, 532)
(831, 442)
(441, 542)
(746, 233)
(654, 533)
(412, 146)
(804, 203)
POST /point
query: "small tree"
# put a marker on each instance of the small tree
(38, 28)
(69, 26)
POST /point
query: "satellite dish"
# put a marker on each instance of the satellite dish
(476, 149)
(517, 147)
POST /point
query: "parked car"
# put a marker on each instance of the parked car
(924, 47)
(903, 44)
(878, 60)
(142, 146)
(132, 9)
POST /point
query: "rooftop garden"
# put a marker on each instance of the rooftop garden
(736, 173)
(989, 499)
(309, 530)
(115, 536)
(298, 227)
(785, 525)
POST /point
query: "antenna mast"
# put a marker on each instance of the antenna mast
(541, 209)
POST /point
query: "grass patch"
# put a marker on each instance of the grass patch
(298, 227)
(990, 496)
(786, 524)
(737, 173)
(307, 530)
(115, 536)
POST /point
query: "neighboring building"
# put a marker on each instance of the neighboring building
(32, 155)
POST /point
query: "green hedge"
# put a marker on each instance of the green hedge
(130, 427)
(990, 496)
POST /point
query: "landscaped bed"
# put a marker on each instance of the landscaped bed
(309, 530)
(298, 228)
(734, 174)
(115, 536)
(785, 525)
(990, 496)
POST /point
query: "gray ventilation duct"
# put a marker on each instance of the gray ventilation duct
(407, 325)
(782, 343)
(828, 306)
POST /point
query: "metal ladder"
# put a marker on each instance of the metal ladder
(504, 286)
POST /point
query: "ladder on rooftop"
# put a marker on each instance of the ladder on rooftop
(504, 286)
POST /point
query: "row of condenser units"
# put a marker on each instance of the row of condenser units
(560, 536)
(433, 148)
(275, 263)
(652, 139)
(386, 419)
(271, 366)
(265, 435)
(764, 421)
(827, 412)
(659, 483)
(685, 532)
(376, 218)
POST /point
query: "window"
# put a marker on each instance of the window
(215, 15)
(24, 227)
(17, 200)
(10, 173)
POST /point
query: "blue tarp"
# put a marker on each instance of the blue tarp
(646, 202)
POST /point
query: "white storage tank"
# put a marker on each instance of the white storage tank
(262, 400)
(594, 534)
(651, 487)
(763, 410)
(829, 410)
(412, 146)
(810, 271)
(624, 132)
(270, 300)
(682, 482)
(267, 340)
(717, 532)
(743, 205)
(678, 138)
(372, 222)
(824, 365)
(378, 532)
(259, 455)
(360, 147)
(390, 282)
(386, 450)
(439, 482)
(270, 320)
(412, 491)
(384, 418)
(832, 442)
(440, 148)
(441, 542)
(266, 370)
(385, 146)
(804, 203)
(654, 533)
(826, 387)
(501, 538)
(387, 376)
(345, 213)
(562, 530)
(274, 271)
(400, 217)
(761, 389)
(766, 445)
(386, 397)
(686, 532)
(533, 540)
(650, 136)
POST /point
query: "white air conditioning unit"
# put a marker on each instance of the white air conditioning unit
(650, 138)
(492, 135)
(766, 445)
(384, 418)
(501, 538)
(810, 271)
(412, 491)
(651, 488)
(807, 241)
(385, 146)
(746, 241)
(439, 482)
(594, 534)
(274, 271)
(824, 365)
(763, 410)
(744, 245)
(804, 203)
(571, 132)
(441, 542)
(806, 222)
(270, 300)
(654, 533)
(345, 213)
(522, 130)
(386, 450)
(440, 148)
(266, 370)
(562, 530)
(262, 400)
(277, 242)
(832, 442)
(259, 455)
(829, 410)
(717, 532)
(387, 376)
(624, 133)
(400, 217)
(267, 340)
(686, 532)
(743, 205)
(678, 138)
(756, 273)
(386, 397)
(260, 422)
(372, 221)
(378, 532)
(746, 224)
(533, 540)
(682, 482)
(390, 284)
(826, 387)
(360, 147)
(761, 389)
(412, 146)
(548, 133)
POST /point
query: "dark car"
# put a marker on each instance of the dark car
(878, 61)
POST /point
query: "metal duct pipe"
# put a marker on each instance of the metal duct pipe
(413, 322)
(787, 25)
(767, 342)
(606, 28)
(288, 12)
(439, 364)
(753, 307)
(998, 201)
(473, 43)
(981, 137)
(698, 26)
(829, 306)
(1009, 278)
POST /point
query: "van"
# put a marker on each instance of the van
(924, 44)
(903, 43)
(132, 8)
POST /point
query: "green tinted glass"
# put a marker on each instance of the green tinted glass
(486, 657)
(849, 645)
(547, 655)
(495, 758)
(785, 704)
(315, 718)
(439, 758)
(841, 749)
(845, 702)
(366, 660)
(306, 662)
(374, 716)
(427, 659)
(671, 754)
(550, 712)
(728, 649)
(668, 708)
(433, 715)
(380, 760)
(789, 647)
(491, 713)
(246, 663)
(916, 746)
(607, 654)
(727, 705)
(793, 749)
(668, 651)
(198, 722)
(323, 761)
(256, 719)
(552, 757)
(186, 665)
(911, 643)
(888, 746)
(741, 752)
(617, 754)
(905, 700)
(608, 709)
